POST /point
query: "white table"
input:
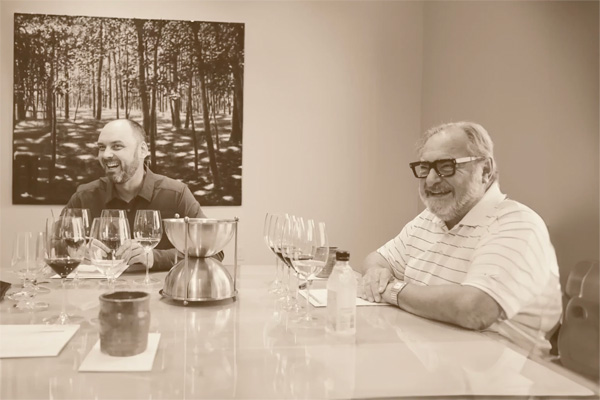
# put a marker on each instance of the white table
(244, 349)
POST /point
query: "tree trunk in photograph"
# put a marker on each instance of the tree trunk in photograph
(109, 78)
(238, 105)
(99, 78)
(139, 26)
(67, 92)
(77, 106)
(176, 114)
(117, 80)
(205, 114)
(155, 81)
(19, 96)
(207, 133)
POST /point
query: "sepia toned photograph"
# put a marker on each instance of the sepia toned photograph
(181, 80)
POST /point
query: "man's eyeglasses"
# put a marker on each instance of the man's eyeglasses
(444, 168)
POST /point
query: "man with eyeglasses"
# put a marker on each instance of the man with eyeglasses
(473, 258)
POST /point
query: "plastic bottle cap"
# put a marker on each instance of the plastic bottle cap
(342, 255)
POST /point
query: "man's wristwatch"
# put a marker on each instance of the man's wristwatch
(396, 289)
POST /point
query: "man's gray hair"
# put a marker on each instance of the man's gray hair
(480, 142)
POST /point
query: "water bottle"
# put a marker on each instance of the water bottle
(341, 297)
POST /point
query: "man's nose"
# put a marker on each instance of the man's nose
(107, 153)
(432, 177)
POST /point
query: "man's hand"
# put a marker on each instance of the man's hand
(132, 252)
(373, 283)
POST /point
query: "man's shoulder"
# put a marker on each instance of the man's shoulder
(163, 182)
(93, 186)
(513, 212)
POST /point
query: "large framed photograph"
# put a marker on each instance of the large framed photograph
(181, 80)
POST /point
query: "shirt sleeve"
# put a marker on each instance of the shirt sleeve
(512, 264)
(394, 252)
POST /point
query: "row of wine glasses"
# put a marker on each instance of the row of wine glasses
(65, 243)
(301, 244)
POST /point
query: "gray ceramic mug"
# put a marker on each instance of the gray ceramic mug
(124, 323)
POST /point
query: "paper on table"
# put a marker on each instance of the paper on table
(34, 340)
(88, 271)
(96, 361)
(318, 298)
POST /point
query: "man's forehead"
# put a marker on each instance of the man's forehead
(452, 142)
(111, 135)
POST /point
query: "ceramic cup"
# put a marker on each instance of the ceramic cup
(124, 323)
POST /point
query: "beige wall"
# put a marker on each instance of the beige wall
(327, 88)
(354, 82)
(528, 72)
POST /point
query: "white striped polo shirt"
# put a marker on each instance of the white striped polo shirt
(501, 247)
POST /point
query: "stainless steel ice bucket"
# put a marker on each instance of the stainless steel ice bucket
(197, 277)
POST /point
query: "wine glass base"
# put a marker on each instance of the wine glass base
(79, 283)
(30, 306)
(150, 282)
(118, 284)
(63, 319)
(41, 290)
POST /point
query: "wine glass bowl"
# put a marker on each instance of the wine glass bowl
(64, 250)
(107, 235)
(147, 231)
(206, 236)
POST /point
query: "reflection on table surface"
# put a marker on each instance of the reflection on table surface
(249, 348)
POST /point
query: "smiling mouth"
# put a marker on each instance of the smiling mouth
(438, 193)
(111, 165)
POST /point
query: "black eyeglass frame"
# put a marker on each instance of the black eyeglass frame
(436, 163)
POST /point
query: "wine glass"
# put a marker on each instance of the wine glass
(113, 213)
(64, 251)
(309, 259)
(86, 219)
(269, 234)
(106, 236)
(147, 231)
(292, 230)
(23, 263)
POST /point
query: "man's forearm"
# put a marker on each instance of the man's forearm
(464, 306)
(164, 259)
(374, 259)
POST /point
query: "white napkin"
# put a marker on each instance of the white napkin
(318, 298)
(34, 340)
(88, 271)
(96, 361)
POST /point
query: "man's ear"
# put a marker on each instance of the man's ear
(143, 150)
(488, 168)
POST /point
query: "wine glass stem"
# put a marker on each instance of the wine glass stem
(307, 283)
(63, 316)
(147, 279)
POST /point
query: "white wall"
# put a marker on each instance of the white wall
(333, 104)
(332, 109)
(528, 72)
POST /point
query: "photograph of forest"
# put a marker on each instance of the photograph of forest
(181, 80)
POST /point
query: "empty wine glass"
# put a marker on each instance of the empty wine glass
(86, 220)
(106, 236)
(113, 213)
(309, 259)
(64, 251)
(269, 234)
(147, 231)
(294, 228)
(23, 263)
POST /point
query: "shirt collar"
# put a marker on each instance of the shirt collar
(484, 208)
(145, 192)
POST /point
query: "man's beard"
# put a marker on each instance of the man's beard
(127, 171)
(448, 209)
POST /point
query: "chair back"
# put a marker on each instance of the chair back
(578, 339)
